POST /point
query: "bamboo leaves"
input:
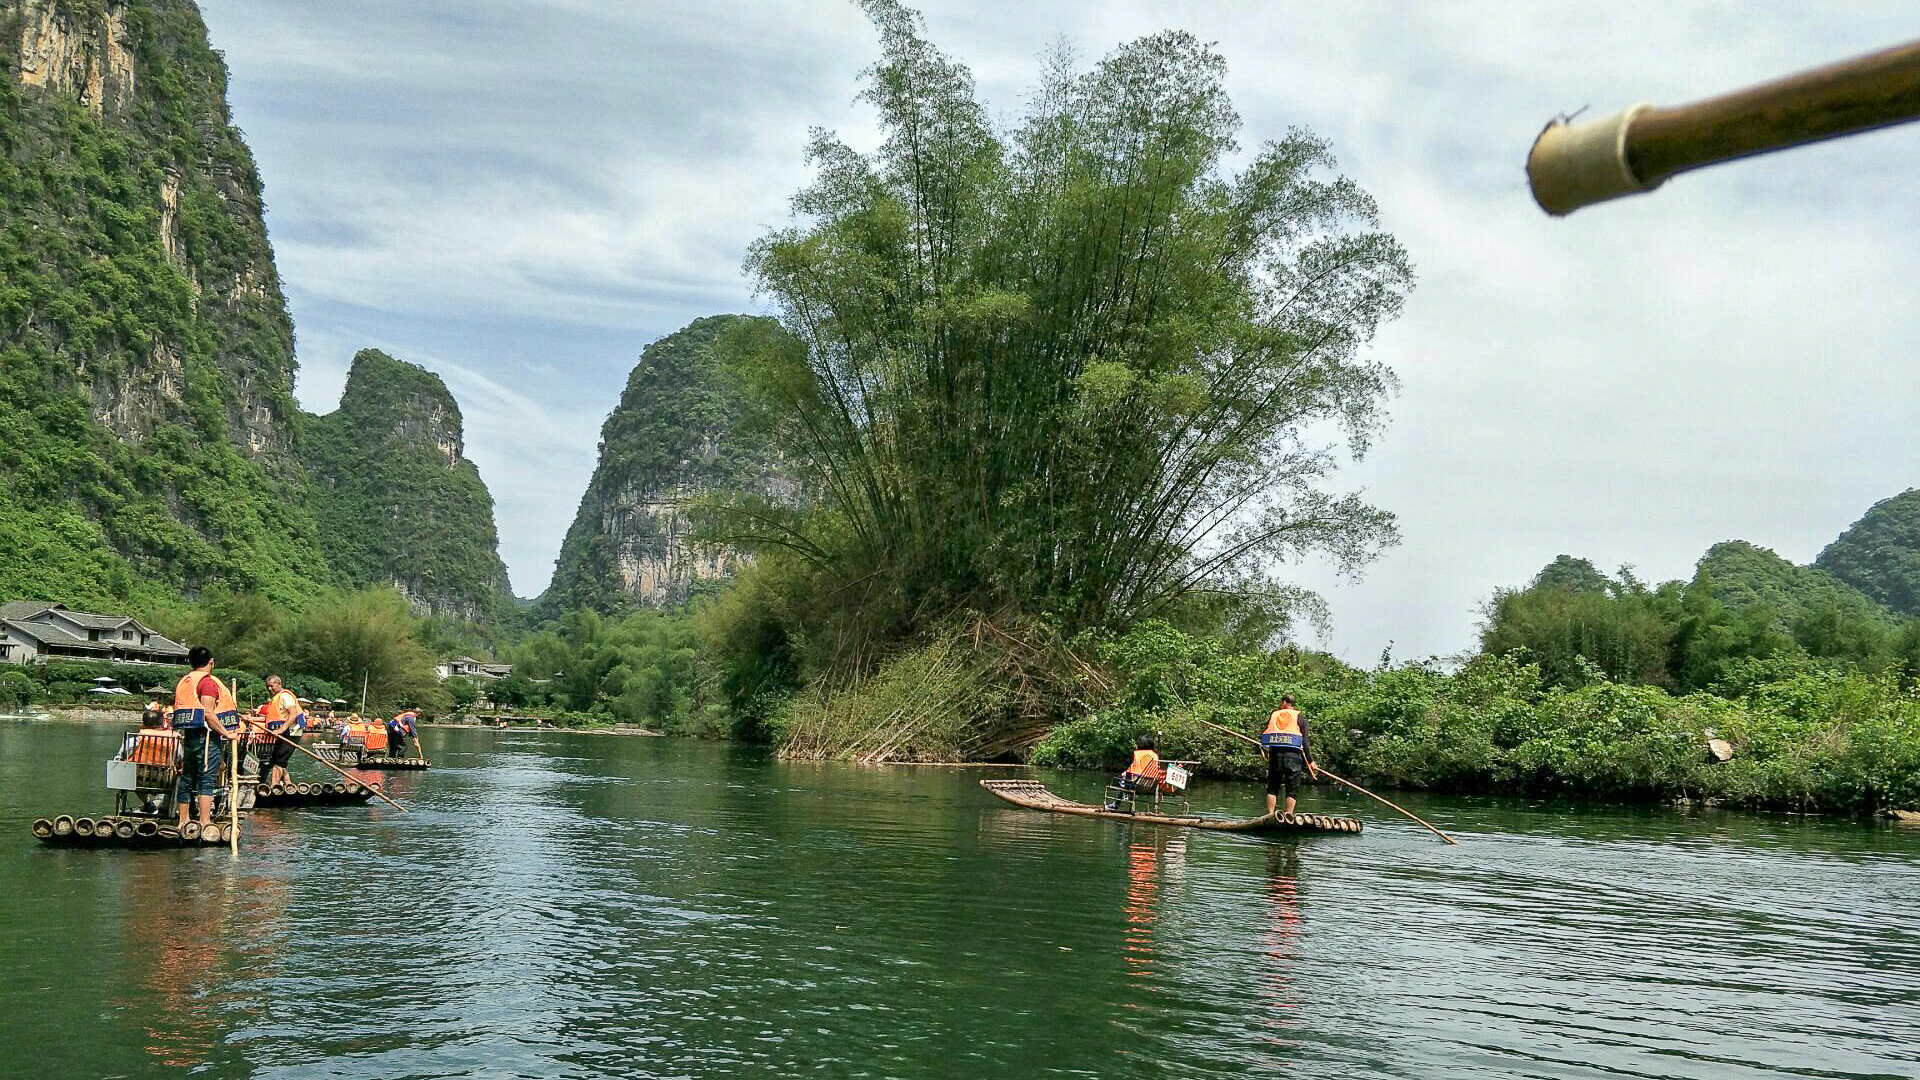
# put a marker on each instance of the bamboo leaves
(1076, 364)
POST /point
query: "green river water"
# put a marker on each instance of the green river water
(577, 906)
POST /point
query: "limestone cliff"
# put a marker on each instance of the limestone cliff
(399, 503)
(146, 353)
(674, 436)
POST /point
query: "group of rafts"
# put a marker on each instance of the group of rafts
(144, 778)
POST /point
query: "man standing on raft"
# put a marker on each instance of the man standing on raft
(283, 716)
(1288, 761)
(201, 703)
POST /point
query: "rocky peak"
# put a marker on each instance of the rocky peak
(675, 436)
(399, 502)
(402, 401)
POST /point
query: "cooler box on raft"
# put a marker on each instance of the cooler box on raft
(146, 761)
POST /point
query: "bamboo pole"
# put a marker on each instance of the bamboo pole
(233, 794)
(377, 792)
(1575, 165)
(1329, 775)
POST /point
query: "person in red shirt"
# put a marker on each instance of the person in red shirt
(202, 704)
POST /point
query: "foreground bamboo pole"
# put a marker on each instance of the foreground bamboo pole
(1575, 165)
(233, 794)
(362, 783)
(1322, 770)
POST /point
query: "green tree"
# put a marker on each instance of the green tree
(1569, 628)
(17, 689)
(461, 693)
(1572, 574)
(513, 692)
(242, 629)
(1076, 365)
(363, 638)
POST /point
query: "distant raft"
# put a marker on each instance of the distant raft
(1034, 795)
(125, 831)
(296, 796)
(354, 757)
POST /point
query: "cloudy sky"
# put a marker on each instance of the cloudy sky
(520, 194)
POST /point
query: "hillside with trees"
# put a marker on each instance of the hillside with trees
(1880, 553)
(150, 445)
(398, 501)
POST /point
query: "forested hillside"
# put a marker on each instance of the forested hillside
(150, 445)
(1880, 553)
(397, 500)
(146, 354)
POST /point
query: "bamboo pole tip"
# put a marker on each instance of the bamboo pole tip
(1575, 165)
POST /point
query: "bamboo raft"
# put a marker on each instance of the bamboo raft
(125, 831)
(1034, 795)
(354, 758)
(295, 796)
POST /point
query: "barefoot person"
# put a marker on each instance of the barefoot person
(1288, 759)
(284, 716)
(203, 711)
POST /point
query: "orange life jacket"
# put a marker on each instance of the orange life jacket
(370, 734)
(186, 701)
(1146, 763)
(279, 710)
(155, 747)
(1283, 731)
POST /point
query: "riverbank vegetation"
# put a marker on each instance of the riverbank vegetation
(1806, 733)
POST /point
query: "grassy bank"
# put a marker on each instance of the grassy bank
(1804, 737)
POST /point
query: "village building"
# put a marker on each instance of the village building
(466, 667)
(32, 631)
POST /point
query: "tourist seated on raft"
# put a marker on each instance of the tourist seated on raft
(1144, 772)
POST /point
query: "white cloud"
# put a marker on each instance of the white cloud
(522, 195)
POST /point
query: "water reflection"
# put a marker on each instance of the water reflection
(628, 908)
(1281, 940)
(1154, 857)
(177, 959)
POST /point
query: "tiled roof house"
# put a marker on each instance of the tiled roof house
(33, 630)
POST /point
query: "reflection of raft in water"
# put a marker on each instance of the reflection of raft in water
(1034, 795)
(292, 796)
(354, 757)
(125, 830)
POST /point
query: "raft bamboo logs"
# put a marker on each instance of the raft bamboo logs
(132, 831)
(62, 826)
(1574, 165)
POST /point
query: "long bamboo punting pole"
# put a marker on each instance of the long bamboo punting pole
(381, 795)
(1574, 165)
(1322, 770)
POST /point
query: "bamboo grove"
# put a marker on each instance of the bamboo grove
(1091, 365)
